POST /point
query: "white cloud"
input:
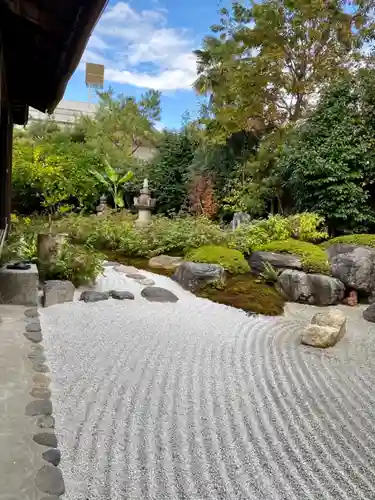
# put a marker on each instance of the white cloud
(138, 48)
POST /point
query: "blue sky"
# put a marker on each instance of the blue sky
(148, 44)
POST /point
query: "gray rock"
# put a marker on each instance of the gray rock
(40, 368)
(40, 393)
(371, 298)
(121, 295)
(165, 262)
(157, 294)
(355, 268)
(45, 422)
(277, 260)
(92, 296)
(36, 357)
(33, 327)
(109, 263)
(39, 407)
(314, 289)
(326, 329)
(192, 275)
(41, 380)
(53, 497)
(369, 313)
(57, 292)
(146, 282)
(31, 313)
(53, 456)
(126, 269)
(34, 336)
(19, 287)
(46, 439)
(135, 276)
(50, 480)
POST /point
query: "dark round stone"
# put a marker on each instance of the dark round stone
(157, 294)
(53, 456)
(40, 368)
(46, 422)
(91, 296)
(36, 357)
(40, 393)
(50, 480)
(31, 313)
(39, 407)
(121, 295)
(41, 380)
(34, 336)
(46, 439)
(33, 327)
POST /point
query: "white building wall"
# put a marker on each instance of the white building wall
(65, 113)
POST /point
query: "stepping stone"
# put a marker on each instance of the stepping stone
(92, 296)
(40, 368)
(109, 263)
(33, 327)
(46, 439)
(157, 294)
(136, 276)
(39, 407)
(34, 336)
(36, 357)
(126, 269)
(121, 295)
(31, 313)
(49, 479)
(146, 282)
(46, 422)
(41, 380)
(40, 393)
(58, 292)
(52, 456)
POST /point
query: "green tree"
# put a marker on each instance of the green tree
(328, 162)
(113, 181)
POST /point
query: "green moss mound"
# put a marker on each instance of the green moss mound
(313, 257)
(367, 240)
(247, 293)
(232, 261)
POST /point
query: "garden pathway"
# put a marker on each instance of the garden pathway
(195, 400)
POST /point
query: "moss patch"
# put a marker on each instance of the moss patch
(367, 240)
(247, 293)
(232, 261)
(313, 257)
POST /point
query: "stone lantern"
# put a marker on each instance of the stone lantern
(145, 205)
(102, 207)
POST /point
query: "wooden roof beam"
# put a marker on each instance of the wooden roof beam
(28, 10)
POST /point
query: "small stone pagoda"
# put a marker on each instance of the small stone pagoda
(145, 205)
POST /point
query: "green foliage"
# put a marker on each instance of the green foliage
(77, 264)
(367, 240)
(232, 261)
(306, 227)
(113, 181)
(328, 163)
(313, 258)
(270, 274)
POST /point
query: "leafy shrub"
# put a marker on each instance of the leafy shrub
(270, 274)
(80, 265)
(313, 258)
(352, 239)
(248, 237)
(232, 261)
(305, 227)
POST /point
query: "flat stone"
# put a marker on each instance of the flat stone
(37, 348)
(157, 294)
(369, 313)
(146, 282)
(92, 296)
(49, 479)
(259, 259)
(121, 295)
(40, 368)
(53, 456)
(57, 292)
(46, 422)
(136, 276)
(34, 336)
(40, 393)
(192, 275)
(33, 327)
(165, 262)
(39, 407)
(53, 497)
(46, 439)
(326, 329)
(32, 312)
(109, 263)
(41, 380)
(126, 269)
(36, 356)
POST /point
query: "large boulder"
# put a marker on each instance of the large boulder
(325, 330)
(57, 292)
(355, 268)
(369, 313)
(257, 261)
(192, 275)
(314, 289)
(340, 248)
(165, 262)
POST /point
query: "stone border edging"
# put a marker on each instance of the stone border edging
(49, 479)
